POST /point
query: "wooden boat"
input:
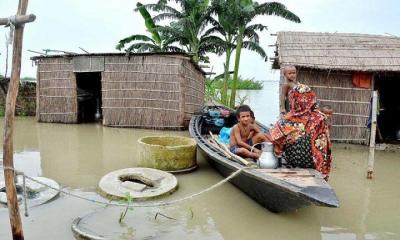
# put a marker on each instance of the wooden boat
(278, 190)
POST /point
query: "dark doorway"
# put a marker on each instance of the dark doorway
(388, 85)
(89, 96)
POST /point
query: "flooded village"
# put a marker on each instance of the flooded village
(162, 137)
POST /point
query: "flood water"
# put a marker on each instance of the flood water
(77, 156)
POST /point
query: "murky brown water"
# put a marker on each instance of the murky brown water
(77, 156)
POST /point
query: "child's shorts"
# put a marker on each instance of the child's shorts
(235, 148)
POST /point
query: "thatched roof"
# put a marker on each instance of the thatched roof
(339, 51)
(167, 54)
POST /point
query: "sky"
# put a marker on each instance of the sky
(97, 26)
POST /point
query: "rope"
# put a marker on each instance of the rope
(11, 23)
(156, 204)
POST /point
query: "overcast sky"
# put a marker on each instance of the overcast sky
(97, 25)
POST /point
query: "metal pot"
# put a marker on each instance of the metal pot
(267, 158)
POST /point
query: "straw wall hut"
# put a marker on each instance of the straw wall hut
(343, 70)
(143, 90)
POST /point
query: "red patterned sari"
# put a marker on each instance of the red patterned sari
(302, 135)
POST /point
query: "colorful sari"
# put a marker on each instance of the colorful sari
(301, 137)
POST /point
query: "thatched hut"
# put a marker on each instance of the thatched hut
(158, 91)
(344, 69)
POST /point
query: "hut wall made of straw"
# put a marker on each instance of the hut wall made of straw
(193, 90)
(56, 91)
(350, 105)
(142, 91)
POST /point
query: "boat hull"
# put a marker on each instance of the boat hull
(278, 190)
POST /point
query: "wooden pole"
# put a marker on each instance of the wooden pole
(371, 157)
(8, 163)
(19, 19)
(226, 151)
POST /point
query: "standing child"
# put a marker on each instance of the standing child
(244, 134)
(290, 75)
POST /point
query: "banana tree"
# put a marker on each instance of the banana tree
(158, 42)
(246, 11)
(187, 25)
(227, 12)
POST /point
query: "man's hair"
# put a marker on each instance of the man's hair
(243, 108)
(285, 68)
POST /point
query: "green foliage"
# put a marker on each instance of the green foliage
(241, 100)
(213, 89)
(150, 25)
(187, 26)
(25, 105)
(192, 26)
(128, 199)
(245, 12)
(28, 79)
(243, 84)
(229, 25)
(158, 42)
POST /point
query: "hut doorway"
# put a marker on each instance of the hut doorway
(388, 85)
(89, 96)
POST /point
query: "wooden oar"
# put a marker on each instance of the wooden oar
(217, 146)
(226, 151)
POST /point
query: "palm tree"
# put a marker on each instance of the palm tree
(246, 11)
(188, 25)
(158, 42)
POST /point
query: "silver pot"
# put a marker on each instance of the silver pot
(267, 158)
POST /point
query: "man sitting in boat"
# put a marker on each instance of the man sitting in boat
(244, 134)
(301, 137)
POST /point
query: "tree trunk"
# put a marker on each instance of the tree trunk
(8, 162)
(236, 69)
(224, 92)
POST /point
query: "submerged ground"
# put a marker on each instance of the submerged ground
(77, 156)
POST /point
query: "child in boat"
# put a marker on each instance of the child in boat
(244, 134)
(290, 75)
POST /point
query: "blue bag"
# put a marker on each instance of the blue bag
(224, 135)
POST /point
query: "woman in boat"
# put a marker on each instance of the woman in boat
(301, 137)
